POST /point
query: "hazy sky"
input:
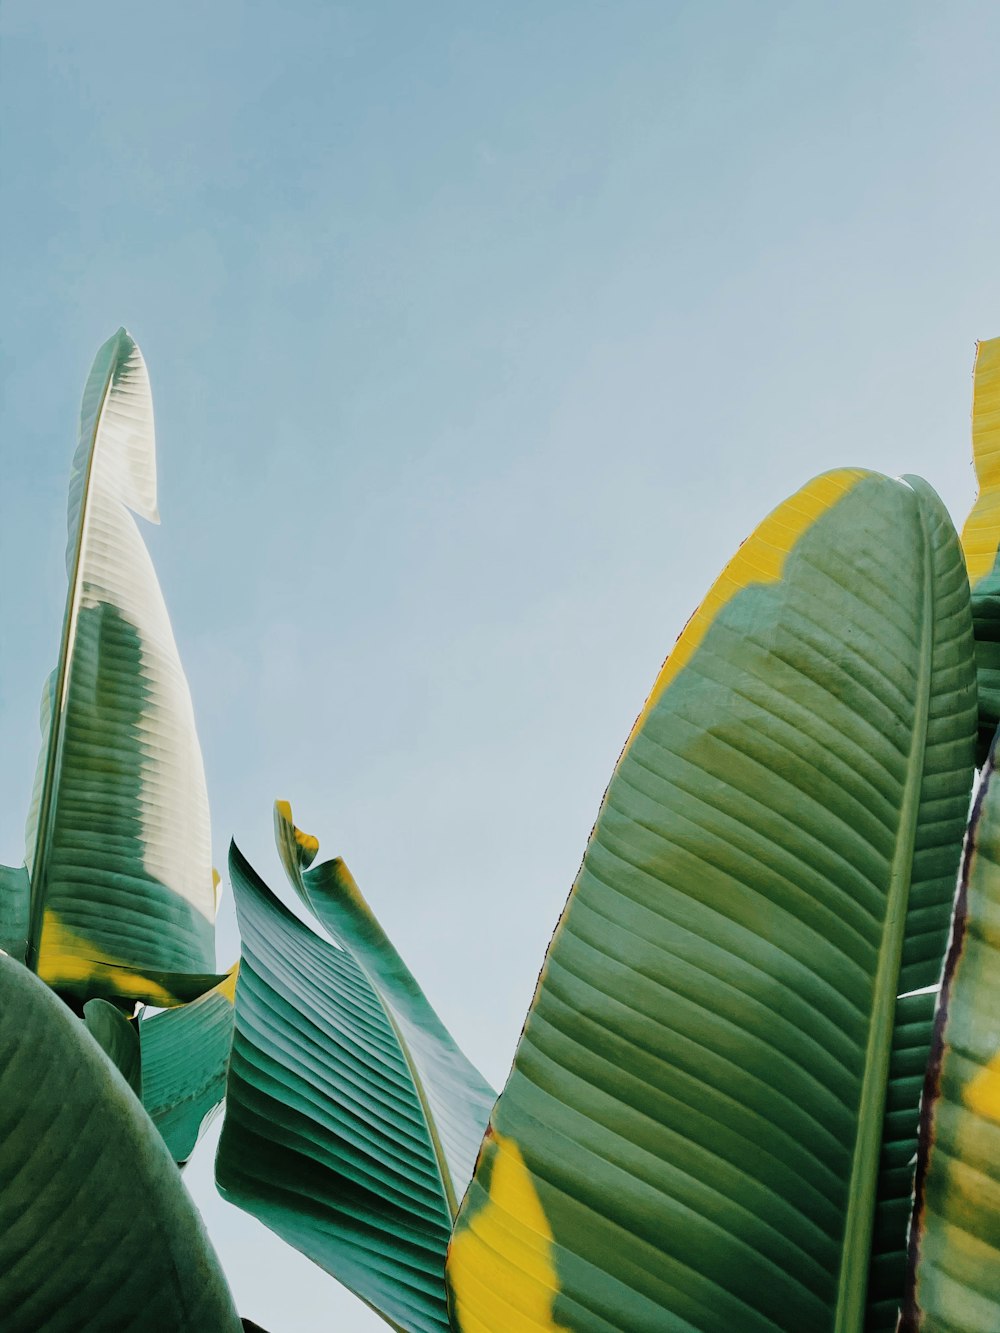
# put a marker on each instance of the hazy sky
(479, 337)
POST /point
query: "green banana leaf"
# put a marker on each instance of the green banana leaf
(694, 1134)
(185, 1054)
(118, 833)
(15, 891)
(981, 538)
(331, 1136)
(96, 1229)
(118, 1038)
(954, 1281)
(458, 1099)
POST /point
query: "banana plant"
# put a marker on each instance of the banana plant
(715, 1104)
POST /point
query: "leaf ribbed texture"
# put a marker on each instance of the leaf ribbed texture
(185, 1055)
(118, 838)
(96, 1229)
(15, 891)
(694, 1117)
(955, 1238)
(326, 1138)
(457, 1099)
(911, 1045)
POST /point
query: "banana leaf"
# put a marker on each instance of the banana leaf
(954, 1278)
(15, 894)
(96, 1229)
(332, 1135)
(118, 1038)
(981, 538)
(185, 1054)
(118, 833)
(714, 1090)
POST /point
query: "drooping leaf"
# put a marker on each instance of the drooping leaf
(96, 1229)
(954, 1279)
(185, 1053)
(118, 836)
(330, 1136)
(981, 538)
(691, 1134)
(15, 890)
(118, 1038)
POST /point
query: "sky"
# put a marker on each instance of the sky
(479, 336)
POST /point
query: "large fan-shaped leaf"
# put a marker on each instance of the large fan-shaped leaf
(690, 1136)
(331, 1136)
(118, 838)
(981, 537)
(96, 1229)
(185, 1054)
(955, 1237)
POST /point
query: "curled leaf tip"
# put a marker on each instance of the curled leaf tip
(305, 844)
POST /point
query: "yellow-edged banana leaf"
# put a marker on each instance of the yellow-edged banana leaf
(981, 537)
(713, 1093)
(118, 1038)
(330, 1138)
(954, 1284)
(185, 1054)
(97, 1231)
(15, 891)
(118, 835)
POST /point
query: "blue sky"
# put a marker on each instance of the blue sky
(479, 337)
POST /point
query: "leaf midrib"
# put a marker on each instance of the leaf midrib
(852, 1288)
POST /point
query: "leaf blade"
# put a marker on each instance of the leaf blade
(96, 1228)
(456, 1098)
(953, 1280)
(981, 536)
(326, 1139)
(685, 1096)
(185, 1055)
(118, 838)
(15, 900)
(118, 1039)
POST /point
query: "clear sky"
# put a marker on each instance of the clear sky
(479, 336)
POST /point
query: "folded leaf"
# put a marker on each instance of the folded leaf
(96, 1229)
(981, 537)
(118, 1038)
(185, 1054)
(954, 1281)
(118, 836)
(691, 1135)
(330, 1136)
